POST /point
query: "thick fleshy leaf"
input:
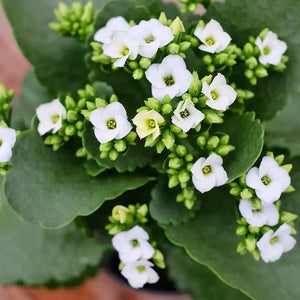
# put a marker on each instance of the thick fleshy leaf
(244, 18)
(58, 61)
(33, 94)
(196, 279)
(210, 240)
(52, 188)
(34, 256)
(247, 135)
(136, 157)
(164, 208)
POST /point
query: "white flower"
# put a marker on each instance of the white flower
(269, 180)
(208, 173)
(133, 245)
(186, 116)
(139, 273)
(122, 47)
(171, 77)
(104, 35)
(7, 142)
(220, 95)
(110, 122)
(273, 245)
(213, 37)
(267, 215)
(271, 49)
(152, 35)
(50, 116)
(147, 122)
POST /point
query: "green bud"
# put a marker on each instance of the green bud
(241, 247)
(180, 198)
(279, 159)
(289, 189)
(201, 24)
(235, 191)
(253, 81)
(196, 85)
(201, 141)
(280, 67)
(106, 147)
(253, 230)
(81, 103)
(163, 19)
(224, 139)
(256, 254)
(189, 157)
(261, 72)
(189, 203)
(70, 103)
(145, 63)
(166, 99)
(241, 230)
(88, 13)
(207, 59)
(173, 48)
(120, 145)
(183, 176)
(173, 181)
(251, 242)
(256, 202)
(104, 154)
(181, 150)
(72, 116)
(115, 230)
(175, 163)
(113, 98)
(263, 34)
(171, 171)
(287, 167)
(224, 150)
(143, 210)
(153, 103)
(221, 58)
(207, 79)
(81, 152)
(177, 26)
(90, 106)
(133, 65)
(166, 109)
(102, 58)
(70, 130)
(249, 73)
(249, 94)
(184, 46)
(119, 213)
(246, 193)
(100, 102)
(242, 221)
(251, 62)
(130, 138)
(287, 217)
(192, 7)
(138, 74)
(150, 142)
(248, 49)
(168, 138)
(113, 154)
(158, 259)
(211, 68)
(160, 147)
(212, 142)
(175, 129)
(212, 117)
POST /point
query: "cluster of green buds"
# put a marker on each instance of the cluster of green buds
(98, 57)
(250, 55)
(77, 20)
(5, 97)
(241, 99)
(178, 166)
(192, 5)
(217, 143)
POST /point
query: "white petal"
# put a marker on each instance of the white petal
(8, 136)
(221, 103)
(137, 232)
(198, 165)
(152, 276)
(253, 180)
(105, 135)
(153, 76)
(271, 213)
(223, 42)
(183, 79)
(149, 50)
(214, 159)
(147, 249)
(227, 91)
(220, 175)
(114, 109)
(173, 62)
(266, 164)
(123, 127)
(204, 183)
(96, 116)
(120, 241)
(44, 127)
(270, 193)
(130, 256)
(160, 93)
(246, 208)
(119, 63)
(287, 243)
(217, 81)
(281, 176)
(5, 153)
(210, 49)
(273, 253)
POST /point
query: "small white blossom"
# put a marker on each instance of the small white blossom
(220, 95)
(213, 37)
(208, 173)
(186, 116)
(110, 122)
(123, 46)
(139, 273)
(152, 35)
(105, 34)
(147, 122)
(273, 245)
(266, 215)
(132, 245)
(271, 49)
(171, 77)
(269, 180)
(50, 116)
(7, 142)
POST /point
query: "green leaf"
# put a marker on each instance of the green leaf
(92, 168)
(210, 240)
(58, 61)
(197, 279)
(33, 94)
(246, 135)
(34, 256)
(52, 188)
(136, 157)
(164, 208)
(242, 18)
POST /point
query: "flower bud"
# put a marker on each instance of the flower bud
(250, 242)
(249, 73)
(246, 193)
(251, 62)
(184, 46)
(166, 109)
(72, 116)
(235, 191)
(173, 48)
(120, 145)
(119, 213)
(221, 58)
(211, 68)
(163, 19)
(153, 103)
(113, 154)
(168, 138)
(70, 103)
(143, 210)
(212, 117)
(145, 63)
(130, 138)
(253, 229)
(177, 26)
(90, 106)
(256, 254)
(201, 141)
(279, 159)
(223, 150)
(133, 65)
(241, 247)
(100, 102)
(175, 163)
(160, 147)
(138, 74)
(106, 147)
(158, 259)
(70, 130)
(287, 217)
(183, 176)
(189, 203)
(81, 152)
(212, 142)
(241, 230)
(196, 85)
(173, 181)
(261, 72)
(248, 49)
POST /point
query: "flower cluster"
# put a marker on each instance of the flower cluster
(266, 228)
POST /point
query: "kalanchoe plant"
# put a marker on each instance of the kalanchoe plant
(147, 136)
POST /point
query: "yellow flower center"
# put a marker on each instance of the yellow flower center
(141, 269)
(169, 80)
(125, 51)
(111, 124)
(149, 39)
(55, 118)
(206, 170)
(210, 41)
(152, 123)
(185, 113)
(214, 95)
(266, 180)
(274, 239)
(266, 50)
(134, 243)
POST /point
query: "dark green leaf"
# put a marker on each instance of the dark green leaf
(52, 188)
(242, 18)
(246, 134)
(35, 256)
(210, 240)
